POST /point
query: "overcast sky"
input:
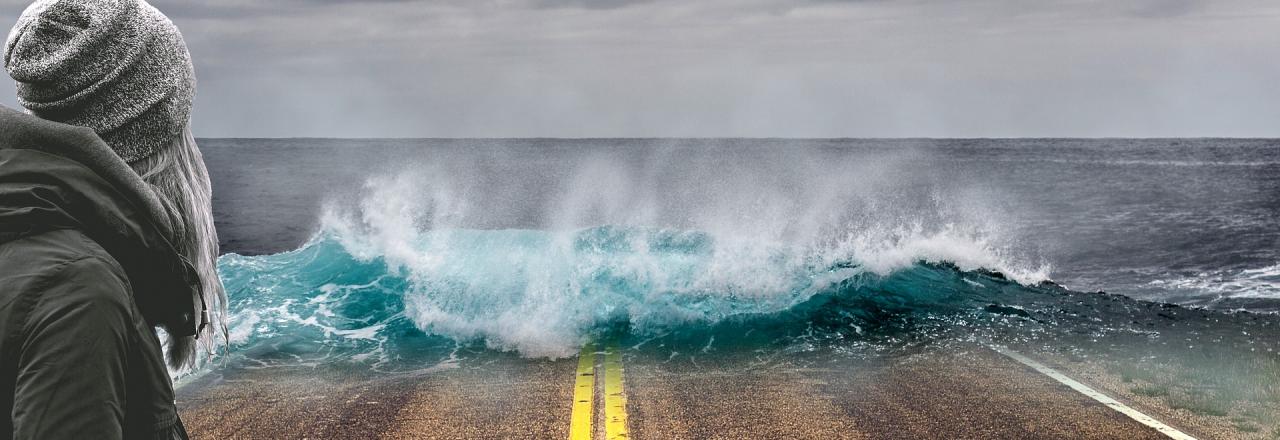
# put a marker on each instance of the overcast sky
(775, 68)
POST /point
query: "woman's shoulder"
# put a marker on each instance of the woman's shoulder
(43, 261)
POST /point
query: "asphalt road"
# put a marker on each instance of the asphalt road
(956, 394)
(972, 395)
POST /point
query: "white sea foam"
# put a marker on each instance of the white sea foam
(1263, 282)
(619, 244)
(243, 327)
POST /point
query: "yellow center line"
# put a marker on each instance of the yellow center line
(615, 399)
(583, 393)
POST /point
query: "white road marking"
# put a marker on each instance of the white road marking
(1084, 389)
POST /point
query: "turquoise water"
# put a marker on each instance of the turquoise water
(418, 303)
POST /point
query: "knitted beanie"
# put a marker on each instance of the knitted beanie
(119, 67)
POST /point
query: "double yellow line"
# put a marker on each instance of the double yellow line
(584, 393)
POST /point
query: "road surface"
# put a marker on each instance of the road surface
(971, 393)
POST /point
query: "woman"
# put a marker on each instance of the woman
(106, 229)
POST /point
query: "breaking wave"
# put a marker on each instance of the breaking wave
(393, 275)
(544, 293)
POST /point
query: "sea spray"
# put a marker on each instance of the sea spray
(680, 241)
(352, 293)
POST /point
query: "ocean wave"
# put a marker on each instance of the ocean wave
(401, 272)
(545, 293)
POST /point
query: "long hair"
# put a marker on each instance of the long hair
(180, 179)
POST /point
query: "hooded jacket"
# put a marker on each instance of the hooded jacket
(87, 271)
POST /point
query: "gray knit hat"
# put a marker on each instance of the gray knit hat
(119, 67)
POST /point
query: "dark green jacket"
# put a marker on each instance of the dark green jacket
(87, 270)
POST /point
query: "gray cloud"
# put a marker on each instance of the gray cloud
(1167, 8)
(730, 67)
(588, 4)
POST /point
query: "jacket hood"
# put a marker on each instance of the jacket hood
(57, 176)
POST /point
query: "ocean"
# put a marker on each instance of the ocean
(408, 253)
